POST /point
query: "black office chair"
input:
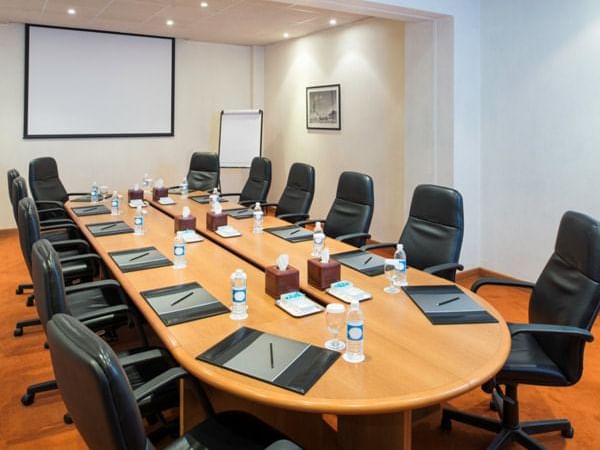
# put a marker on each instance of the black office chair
(78, 263)
(203, 174)
(258, 184)
(547, 351)
(45, 183)
(99, 305)
(433, 234)
(297, 196)
(349, 217)
(104, 405)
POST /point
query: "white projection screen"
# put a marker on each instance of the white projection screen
(84, 83)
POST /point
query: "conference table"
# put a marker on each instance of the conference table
(410, 364)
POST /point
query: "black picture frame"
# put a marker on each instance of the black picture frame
(323, 107)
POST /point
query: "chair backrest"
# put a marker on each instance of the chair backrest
(94, 387)
(259, 181)
(433, 233)
(204, 172)
(44, 181)
(299, 190)
(28, 225)
(48, 281)
(11, 174)
(18, 191)
(567, 291)
(352, 209)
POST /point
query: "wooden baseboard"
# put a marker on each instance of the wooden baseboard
(482, 272)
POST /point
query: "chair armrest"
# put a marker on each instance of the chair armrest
(251, 203)
(307, 222)
(158, 382)
(378, 245)
(442, 267)
(52, 213)
(542, 328)
(141, 357)
(49, 204)
(102, 313)
(70, 194)
(290, 215)
(94, 259)
(346, 237)
(230, 194)
(50, 222)
(498, 282)
(102, 284)
(70, 244)
(270, 205)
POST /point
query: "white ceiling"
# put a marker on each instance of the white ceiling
(249, 22)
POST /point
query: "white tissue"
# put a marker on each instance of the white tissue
(159, 183)
(186, 212)
(325, 255)
(136, 187)
(282, 262)
(218, 209)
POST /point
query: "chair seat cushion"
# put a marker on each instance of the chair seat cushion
(529, 364)
(90, 300)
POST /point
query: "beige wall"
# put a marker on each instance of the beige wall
(209, 78)
(367, 60)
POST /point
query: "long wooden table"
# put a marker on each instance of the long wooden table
(410, 364)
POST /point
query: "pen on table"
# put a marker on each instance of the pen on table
(295, 231)
(367, 260)
(141, 255)
(90, 209)
(182, 298)
(271, 350)
(450, 300)
(108, 226)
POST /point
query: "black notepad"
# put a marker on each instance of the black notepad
(139, 259)
(286, 363)
(291, 233)
(91, 210)
(239, 213)
(203, 199)
(364, 262)
(183, 303)
(109, 228)
(447, 304)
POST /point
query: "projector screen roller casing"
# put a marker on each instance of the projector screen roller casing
(83, 83)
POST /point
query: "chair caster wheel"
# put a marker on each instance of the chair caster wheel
(18, 332)
(67, 419)
(46, 346)
(29, 301)
(27, 399)
(568, 433)
(446, 424)
(493, 406)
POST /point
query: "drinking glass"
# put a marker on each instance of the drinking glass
(103, 192)
(336, 317)
(390, 269)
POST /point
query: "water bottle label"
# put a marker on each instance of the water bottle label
(115, 203)
(179, 250)
(354, 332)
(239, 295)
(318, 238)
(138, 220)
(401, 265)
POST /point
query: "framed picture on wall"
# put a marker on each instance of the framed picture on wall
(323, 107)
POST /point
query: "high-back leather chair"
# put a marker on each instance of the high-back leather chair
(203, 174)
(349, 217)
(103, 405)
(258, 183)
(51, 211)
(44, 181)
(547, 351)
(297, 196)
(433, 234)
(11, 174)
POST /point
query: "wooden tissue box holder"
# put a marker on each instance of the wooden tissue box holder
(133, 194)
(185, 223)
(321, 275)
(214, 221)
(279, 282)
(158, 193)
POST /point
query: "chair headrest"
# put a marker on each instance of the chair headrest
(578, 243)
(43, 168)
(302, 177)
(438, 204)
(355, 187)
(260, 169)
(204, 162)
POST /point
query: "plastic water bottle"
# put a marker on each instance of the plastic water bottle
(400, 257)
(94, 193)
(355, 337)
(258, 219)
(239, 307)
(146, 182)
(184, 188)
(138, 222)
(179, 261)
(318, 240)
(115, 204)
(213, 199)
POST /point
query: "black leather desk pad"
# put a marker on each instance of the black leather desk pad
(291, 233)
(109, 228)
(95, 210)
(363, 262)
(203, 199)
(183, 303)
(295, 365)
(239, 213)
(131, 260)
(433, 302)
